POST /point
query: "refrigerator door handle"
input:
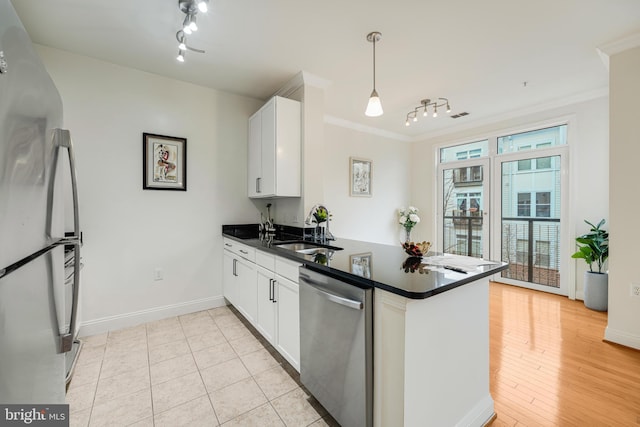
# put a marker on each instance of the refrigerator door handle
(62, 139)
(26, 260)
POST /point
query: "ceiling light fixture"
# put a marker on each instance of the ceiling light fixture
(374, 107)
(203, 6)
(190, 8)
(424, 106)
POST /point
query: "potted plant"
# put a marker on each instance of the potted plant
(593, 247)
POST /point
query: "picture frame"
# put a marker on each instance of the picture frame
(361, 175)
(360, 264)
(164, 162)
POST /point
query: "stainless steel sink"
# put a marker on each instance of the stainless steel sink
(315, 251)
(308, 248)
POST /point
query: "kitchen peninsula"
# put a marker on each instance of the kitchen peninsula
(430, 326)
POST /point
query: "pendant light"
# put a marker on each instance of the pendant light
(374, 107)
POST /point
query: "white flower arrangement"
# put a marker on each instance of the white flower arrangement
(408, 218)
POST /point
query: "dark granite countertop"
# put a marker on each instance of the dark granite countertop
(367, 264)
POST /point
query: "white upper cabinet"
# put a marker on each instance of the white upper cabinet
(274, 150)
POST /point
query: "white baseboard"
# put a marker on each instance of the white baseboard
(111, 323)
(622, 338)
(480, 415)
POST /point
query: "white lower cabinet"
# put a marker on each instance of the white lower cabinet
(247, 290)
(288, 313)
(266, 293)
(267, 307)
(228, 277)
(239, 278)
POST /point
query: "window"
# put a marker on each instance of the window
(522, 246)
(542, 207)
(532, 140)
(524, 165)
(542, 253)
(524, 204)
(543, 204)
(543, 162)
(462, 155)
(467, 175)
(469, 202)
(472, 150)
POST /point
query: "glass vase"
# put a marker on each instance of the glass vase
(407, 235)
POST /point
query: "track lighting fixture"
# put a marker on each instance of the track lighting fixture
(190, 8)
(374, 107)
(424, 106)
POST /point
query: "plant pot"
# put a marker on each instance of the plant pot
(596, 291)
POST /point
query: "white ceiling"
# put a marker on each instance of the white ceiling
(476, 53)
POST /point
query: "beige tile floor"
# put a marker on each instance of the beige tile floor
(207, 368)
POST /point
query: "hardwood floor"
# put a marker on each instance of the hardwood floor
(549, 365)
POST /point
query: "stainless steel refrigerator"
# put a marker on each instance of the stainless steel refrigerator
(37, 322)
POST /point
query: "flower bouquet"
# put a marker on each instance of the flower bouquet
(408, 218)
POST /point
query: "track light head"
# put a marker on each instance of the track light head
(202, 6)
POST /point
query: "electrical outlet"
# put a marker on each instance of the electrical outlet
(635, 290)
(158, 274)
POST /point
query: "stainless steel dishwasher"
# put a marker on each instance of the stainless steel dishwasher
(336, 346)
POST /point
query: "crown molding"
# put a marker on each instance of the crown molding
(606, 50)
(558, 103)
(301, 79)
(332, 120)
(313, 80)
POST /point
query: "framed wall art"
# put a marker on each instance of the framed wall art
(164, 162)
(361, 264)
(361, 176)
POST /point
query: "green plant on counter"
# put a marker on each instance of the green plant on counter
(320, 258)
(320, 215)
(593, 246)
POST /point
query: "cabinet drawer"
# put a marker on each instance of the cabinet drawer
(287, 268)
(266, 260)
(244, 251)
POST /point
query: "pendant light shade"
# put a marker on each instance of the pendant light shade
(374, 107)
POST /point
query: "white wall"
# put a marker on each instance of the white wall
(326, 152)
(372, 219)
(624, 309)
(589, 168)
(128, 231)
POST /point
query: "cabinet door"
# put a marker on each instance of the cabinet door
(229, 283)
(254, 153)
(288, 148)
(266, 319)
(247, 292)
(288, 333)
(268, 181)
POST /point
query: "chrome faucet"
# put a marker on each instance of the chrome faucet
(308, 221)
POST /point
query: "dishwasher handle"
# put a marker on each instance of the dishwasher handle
(356, 305)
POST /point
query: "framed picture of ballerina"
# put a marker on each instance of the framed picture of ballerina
(164, 162)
